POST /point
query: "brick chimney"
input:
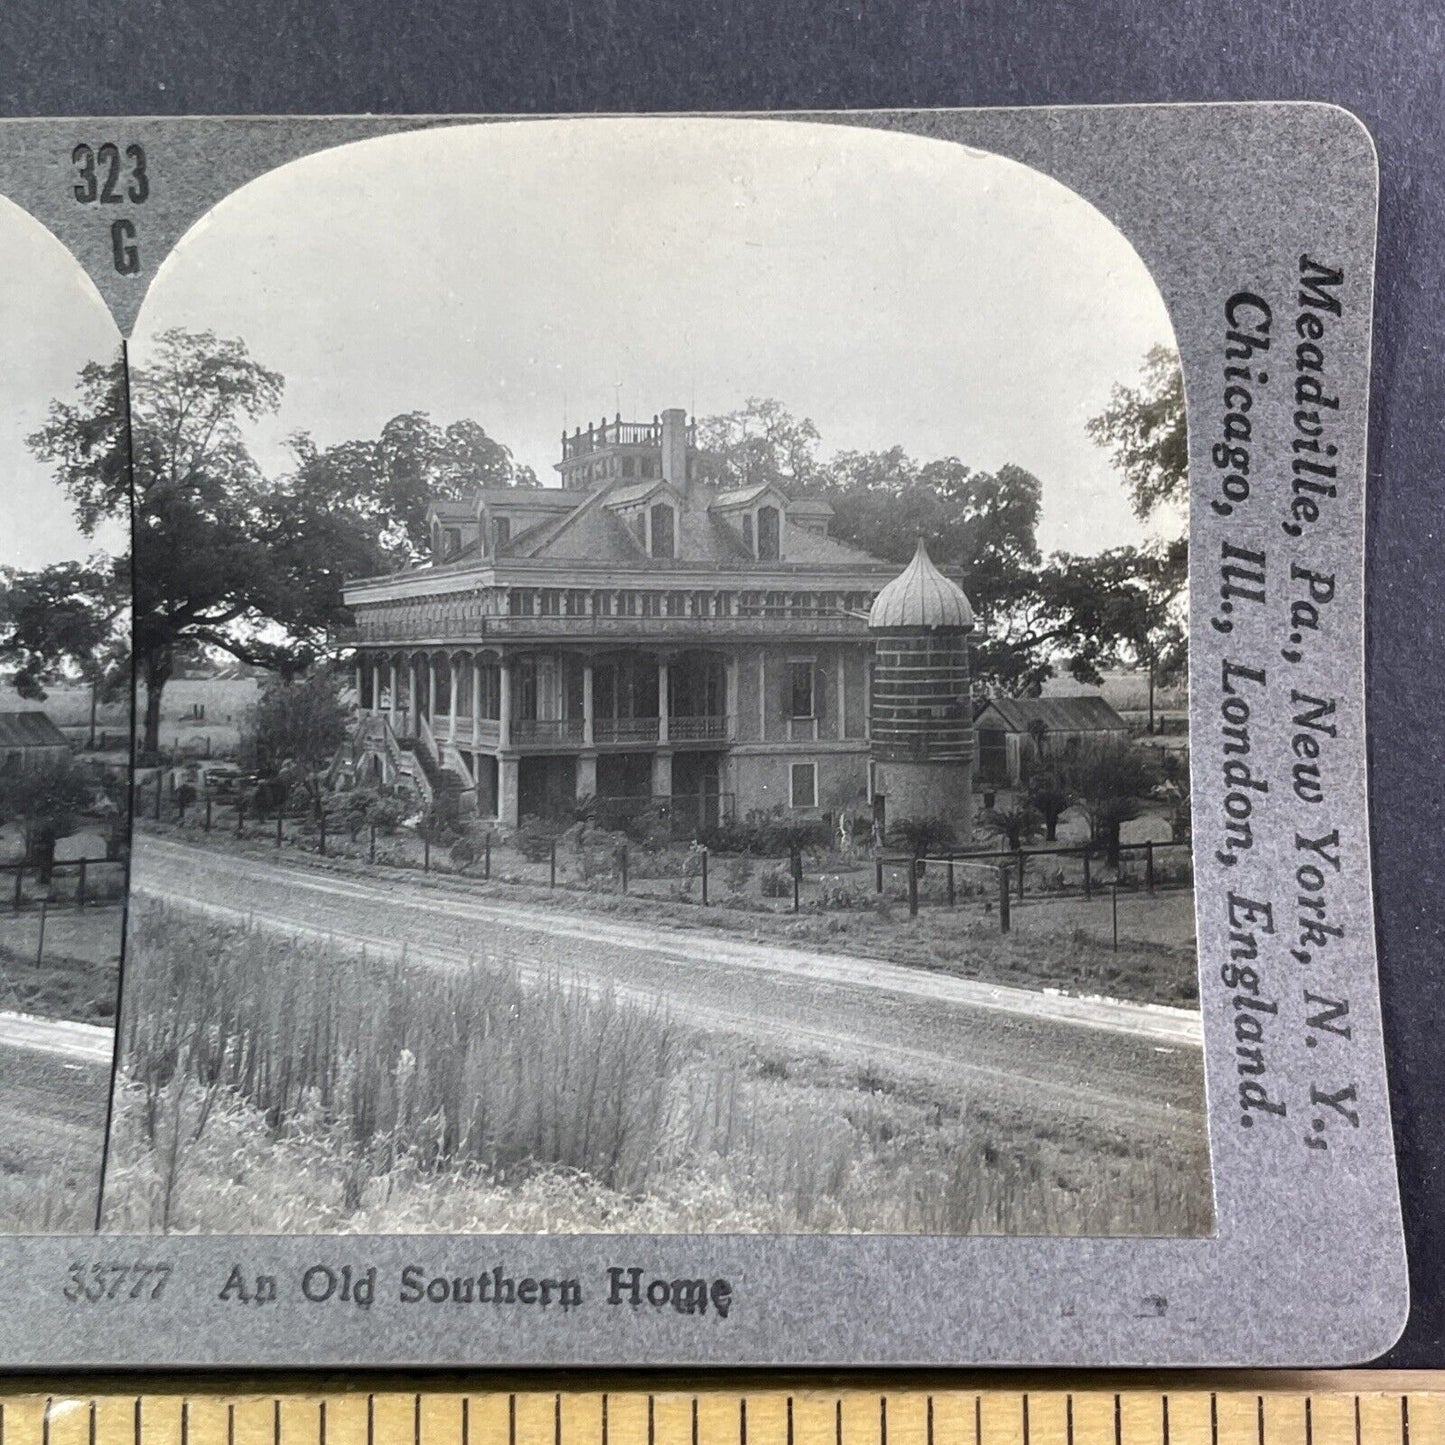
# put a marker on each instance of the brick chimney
(674, 447)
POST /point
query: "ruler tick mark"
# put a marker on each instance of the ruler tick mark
(1118, 1421)
(1164, 1419)
(1213, 1418)
(928, 1429)
(883, 1420)
(1026, 1417)
(1260, 1404)
(1309, 1421)
(651, 1420)
(1405, 1419)
(556, 1419)
(1069, 1418)
(694, 1420)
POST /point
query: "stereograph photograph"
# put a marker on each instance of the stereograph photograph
(660, 675)
(64, 738)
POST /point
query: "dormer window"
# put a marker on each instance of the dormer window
(501, 532)
(664, 540)
(769, 534)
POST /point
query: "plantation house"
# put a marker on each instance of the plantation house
(640, 633)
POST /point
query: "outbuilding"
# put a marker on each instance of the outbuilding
(1005, 726)
(29, 742)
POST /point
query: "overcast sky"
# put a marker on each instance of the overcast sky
(52, 322)
(533, 275)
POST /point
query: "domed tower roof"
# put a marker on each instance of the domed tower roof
(921, 598)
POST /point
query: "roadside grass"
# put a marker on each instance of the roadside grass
(1055, 943)
(272, 1084)
(58, 987)
(47, 1200)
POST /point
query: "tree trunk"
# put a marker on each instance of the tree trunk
(94, 706)
(1151, 697)
(157, 674)
(1051, 828)
(1113, 839)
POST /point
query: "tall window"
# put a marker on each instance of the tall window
(803, 785)
(664, 542)
(800, 689)
(501, 532)
(769, 534)
(748, 530)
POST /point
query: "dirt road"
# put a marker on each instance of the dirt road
(1135, 1067)
(54, 1083)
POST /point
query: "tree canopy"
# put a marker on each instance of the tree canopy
(227, 558)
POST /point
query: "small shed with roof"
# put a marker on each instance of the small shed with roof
(29, 741)
(1005, 725)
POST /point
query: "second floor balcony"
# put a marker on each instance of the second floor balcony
(441, 628)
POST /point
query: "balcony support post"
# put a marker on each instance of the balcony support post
(456, 680)
(411, 690)
(504, 723)
(730, 696)
(662, 705)
(391, 692)
(588, 720)
(508, 784)
(431, 690)
(586, 776)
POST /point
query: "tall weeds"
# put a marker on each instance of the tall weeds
(280, 1084)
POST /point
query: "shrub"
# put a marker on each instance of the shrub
(385, 814)
(834, 892)
(778, 882)
(738, 874)
(463, 853)
(535, 837)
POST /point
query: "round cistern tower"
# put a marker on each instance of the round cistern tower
(921, 736)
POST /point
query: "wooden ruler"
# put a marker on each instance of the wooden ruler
(1345, 1408)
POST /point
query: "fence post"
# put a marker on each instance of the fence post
(1021, 872)
(487, 857)
(1003, 898)
(321, 832)
(240, 816)
(1088, 881)
(878, 875)
(952, 897)
(704, 877)
(160, 788)
(1149, 865)
(426, 853)
(552, 866)
(208, 815)
(40, 944)
(180, 805)
(80, 887)
(371, 844)
(279, 825)
(1115, 887)
(623, 861)
(913, 888)
(796, 867)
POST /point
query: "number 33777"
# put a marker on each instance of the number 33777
(111, 175)
(92, 1283)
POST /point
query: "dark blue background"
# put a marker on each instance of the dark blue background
(1382, 60)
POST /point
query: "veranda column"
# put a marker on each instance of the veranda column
(587, 723)
(504, 702)
(391, 692)
(431, 691)
(842, 693)
(456, 673)
(356, 671)
(507, 792)
(662, 700)
(730, 694)
(411, 693)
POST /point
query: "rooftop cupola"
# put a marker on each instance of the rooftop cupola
(921, 599)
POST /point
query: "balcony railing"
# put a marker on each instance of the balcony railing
(713, 728)
(373, 630)
(547, 730)
(617, 433)
(625, 729)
